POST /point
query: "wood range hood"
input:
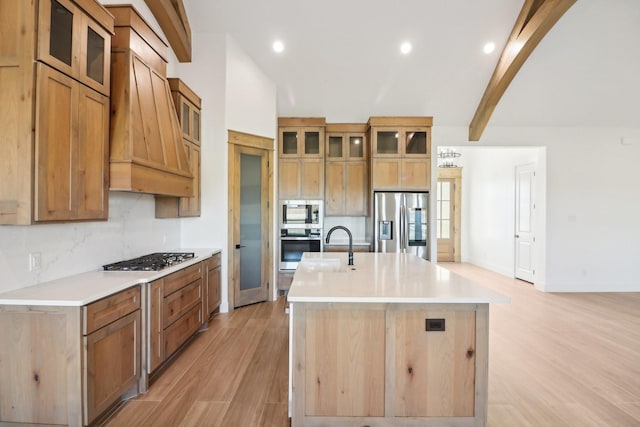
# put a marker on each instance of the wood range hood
(147, 153)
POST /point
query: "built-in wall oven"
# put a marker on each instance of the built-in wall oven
(300, 231)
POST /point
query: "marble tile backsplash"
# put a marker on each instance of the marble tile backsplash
(66, 249)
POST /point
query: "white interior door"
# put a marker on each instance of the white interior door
(524, 233)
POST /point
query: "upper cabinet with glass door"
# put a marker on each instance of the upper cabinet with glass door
(401, 136)
(301, 137)
(72, 39)
(188, 106)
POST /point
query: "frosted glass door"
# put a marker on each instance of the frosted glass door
(250, 222)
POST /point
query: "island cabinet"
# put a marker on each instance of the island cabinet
(376, 364)
(175, 313)
(346, 170)
(66, 365)
(188, 108)
(301, 158)
(400, 153)
(391, 341)
(54, 110)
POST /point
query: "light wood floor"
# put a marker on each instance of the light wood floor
(554, 360)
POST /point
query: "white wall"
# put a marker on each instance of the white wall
(592, 203)
(488, 205)
(235, 96)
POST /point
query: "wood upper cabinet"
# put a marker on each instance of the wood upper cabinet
(187, 105)
(401, 153)
(75, 42)
(72, 146)
(305, 141)
(54, 115)
(346, 171)
(301, 158)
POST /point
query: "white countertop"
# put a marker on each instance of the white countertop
(84, 288)
(385, 278)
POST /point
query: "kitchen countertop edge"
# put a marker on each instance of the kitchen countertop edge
(84, 288)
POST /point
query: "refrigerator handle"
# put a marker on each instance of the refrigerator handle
(403, 228)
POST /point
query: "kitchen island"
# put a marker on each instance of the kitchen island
(393, 340)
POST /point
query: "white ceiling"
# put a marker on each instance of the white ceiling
(342, 59)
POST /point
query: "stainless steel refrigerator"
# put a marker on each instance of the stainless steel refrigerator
(401, 222)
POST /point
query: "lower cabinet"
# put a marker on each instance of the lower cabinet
(213, 268)
(175, 312)
(66, 365)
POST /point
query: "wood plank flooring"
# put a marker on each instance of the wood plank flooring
(554, 360)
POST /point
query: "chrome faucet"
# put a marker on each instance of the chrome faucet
(342, 227)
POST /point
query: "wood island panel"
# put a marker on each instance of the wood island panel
(345, 362)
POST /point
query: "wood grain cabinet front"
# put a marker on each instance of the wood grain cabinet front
(175, 312)
(346, 170)
(68, 365)
(389, 364)
(188, 108)
(400, 153)
(301, 158)
(54, 110)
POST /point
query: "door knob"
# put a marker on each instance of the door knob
(517, 237)
(238, 246)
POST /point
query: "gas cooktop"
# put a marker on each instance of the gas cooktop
(152, 262)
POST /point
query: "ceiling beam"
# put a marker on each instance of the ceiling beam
(536, 18)
(173, 20)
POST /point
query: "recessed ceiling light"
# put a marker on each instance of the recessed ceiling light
(278, 46)
(405, 48)
(489, 47)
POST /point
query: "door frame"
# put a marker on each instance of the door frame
(236, 140)
(456, 175)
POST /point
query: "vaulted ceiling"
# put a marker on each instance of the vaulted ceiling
(342, 59)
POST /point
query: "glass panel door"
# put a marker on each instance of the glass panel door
(95, 56)
(61, 33)
(250, 221)
(416, 142)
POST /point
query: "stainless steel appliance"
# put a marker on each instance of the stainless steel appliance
(152, 262)
(301, 214)
(300, 231)
(401, 222)
(293, 242)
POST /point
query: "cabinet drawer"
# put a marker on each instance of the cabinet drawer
(102, 312)
(181, 278)
(180, 331)
(179, 302)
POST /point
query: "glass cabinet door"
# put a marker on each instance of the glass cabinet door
(311, 142)
(186, 119)
(415, 142)
(289, 139)
(57, 47)
(334, 147)
(196, 126)
(356, 147)
(61, 38)
(386, 142)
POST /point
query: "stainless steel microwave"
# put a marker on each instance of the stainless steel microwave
(301, 214)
